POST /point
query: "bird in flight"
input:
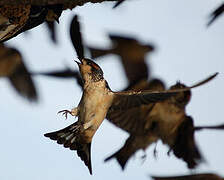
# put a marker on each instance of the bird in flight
(165, 120)
(97, 99)
(202, 176)
(13, 68)
(132, 55)
(15, 19)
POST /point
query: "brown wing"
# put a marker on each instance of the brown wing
(76, 37)
(133, 120)
(17, 73)
(122, 39)
(135, 70)
(131, 99)
(208, 176)
(22, 82)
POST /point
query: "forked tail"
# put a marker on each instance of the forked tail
(185, 147)
(70, 138)
(124, 154)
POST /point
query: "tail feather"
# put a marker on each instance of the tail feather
(70, 138)
(85, 155)
(185, 146)
(95, 53)
(124, 154)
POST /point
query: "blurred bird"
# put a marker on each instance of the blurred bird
(66, 73)
(132, 54)
(97, 99)
(204, 176)
(166, 121)
(15, 19)
(215, 14)
(13, 68)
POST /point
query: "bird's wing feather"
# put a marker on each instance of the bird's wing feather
(134, 120)
(76, 37)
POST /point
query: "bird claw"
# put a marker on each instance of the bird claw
(65, 113)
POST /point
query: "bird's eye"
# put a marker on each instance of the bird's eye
(89, 63)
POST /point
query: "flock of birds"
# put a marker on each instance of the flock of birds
(145, 109)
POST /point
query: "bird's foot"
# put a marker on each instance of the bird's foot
(65, 113)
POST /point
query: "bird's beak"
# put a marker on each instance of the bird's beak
(78, 63)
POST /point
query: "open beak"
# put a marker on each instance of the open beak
(78, 63)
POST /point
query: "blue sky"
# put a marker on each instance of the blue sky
(185, 50)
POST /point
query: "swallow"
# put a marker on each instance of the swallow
(132, 55)
(215, 14)
(166, 121)
(15, 19)
(13, 68)
(204, 176)
(97, 99)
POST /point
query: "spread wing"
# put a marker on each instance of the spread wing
(129, 110)
(121, 39)
(131, 99)
(136, 70)
(133, 120)
(12, 67)
(76, 37)
(21, 79)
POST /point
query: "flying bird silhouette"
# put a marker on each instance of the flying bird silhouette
(15, 19)
(97, 99)
(132, 55)
(13, 68)
(202, 176)
(166, 121)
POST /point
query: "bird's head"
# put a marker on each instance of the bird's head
(181, 99)
(90, 71)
